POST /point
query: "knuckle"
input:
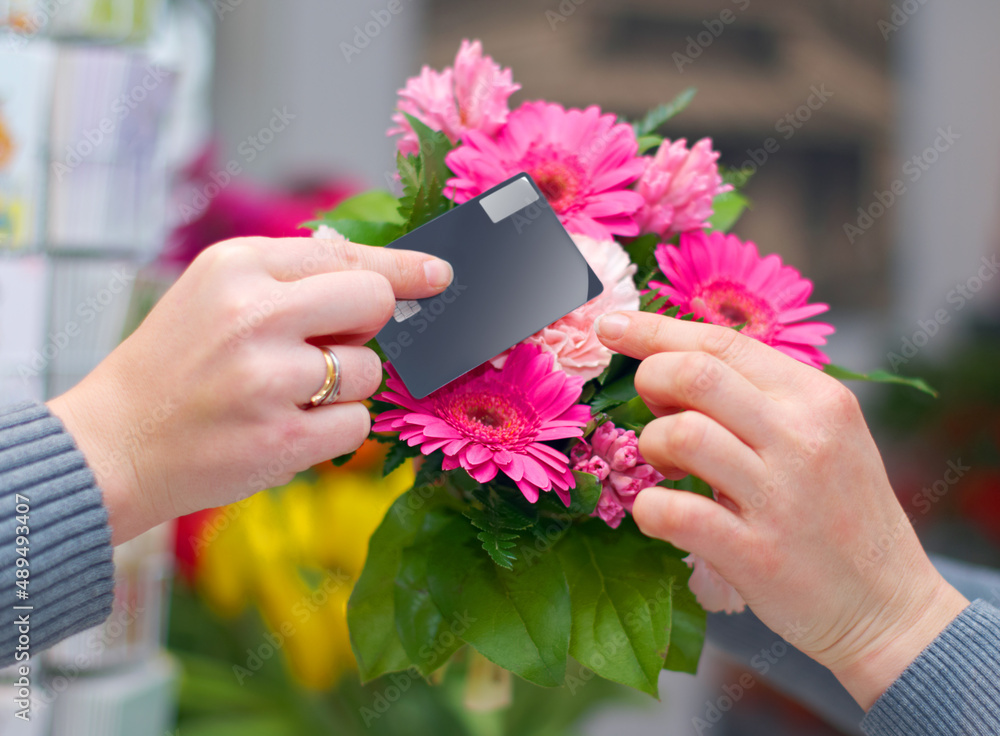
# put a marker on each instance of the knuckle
(685, 433)
(697, 374)
(724, 343)
(839, 404)
(229, 255)
(348, 255)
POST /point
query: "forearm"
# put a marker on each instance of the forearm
(52, 516)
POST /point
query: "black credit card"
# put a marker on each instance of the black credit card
(516, 271)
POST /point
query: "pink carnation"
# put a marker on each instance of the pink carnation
(572, 339)
(711, 589)
(613, 456)
(491, 421)
(679, 186)
(725, 281)
(582, 161)
(471, 96)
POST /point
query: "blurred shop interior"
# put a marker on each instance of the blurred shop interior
(134, 133)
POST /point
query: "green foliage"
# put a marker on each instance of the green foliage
(586, 494)
(633, 414)
(652, 303)
(422, 629)
(727, 208)
(499, 522)
(621, 587)
(615, 394)
(656, 117)
(649, 142)
(399, 453)
(423, 178)
(375, 205)
(371, 611)
(880, 376)
(361, 231)
(515, 618)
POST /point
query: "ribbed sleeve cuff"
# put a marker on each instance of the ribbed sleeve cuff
(952, 688)
(70, 574)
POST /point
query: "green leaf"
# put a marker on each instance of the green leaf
(586, 494)
(728, 207)
(633, 414)
(618, 393)
(621, 586)
(642, 250)
(736, 178)
(620, 364)
(422, 629)
(662, 113)
(499, 522)
(423, 177)
(376, 205)
(397, 455)
(647, 142)
(343, 459)
(879, 376)
(651, 302)
(362, 231)
(687, 629)
(371, 610)
(518, 619)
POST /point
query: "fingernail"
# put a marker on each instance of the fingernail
(439, 273)
(611, 326)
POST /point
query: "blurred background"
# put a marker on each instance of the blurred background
(134, 133)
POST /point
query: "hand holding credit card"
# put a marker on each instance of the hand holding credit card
(516, 271)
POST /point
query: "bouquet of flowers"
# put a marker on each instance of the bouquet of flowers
(516, 538)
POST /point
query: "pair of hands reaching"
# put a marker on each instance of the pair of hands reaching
(202, 406)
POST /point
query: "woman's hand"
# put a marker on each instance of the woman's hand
(202, 405)
(806, 528)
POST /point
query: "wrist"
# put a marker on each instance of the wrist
(93, 414)
(911, 629)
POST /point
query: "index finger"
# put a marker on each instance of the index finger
(413, 275)
(641, 334)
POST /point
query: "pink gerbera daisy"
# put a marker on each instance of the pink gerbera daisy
(496, 420)
(471, 96)
(582, 161)
(725, 281)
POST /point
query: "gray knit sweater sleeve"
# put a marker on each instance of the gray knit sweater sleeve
(52, 517)
(952, 688)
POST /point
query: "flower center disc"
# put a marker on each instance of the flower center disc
(559, 181)
(497, 420)
(731, 304)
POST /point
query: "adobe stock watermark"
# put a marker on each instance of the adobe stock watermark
(733, 693)
(400, 682)
(562, 13)
(224, 7)
(33, 22)
(248, 149)
(786, 127)
(118, 625)
(912, 171)
(877, 549)
(900, 16)
(368, 31)
(121, 108)
(714, 27)
(417, 322)
(88, 310)
(303, 610)
(957, 299)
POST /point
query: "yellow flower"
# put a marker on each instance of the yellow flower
(295, 553)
